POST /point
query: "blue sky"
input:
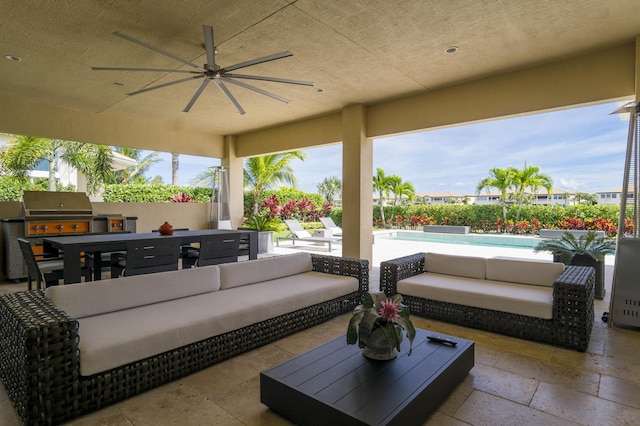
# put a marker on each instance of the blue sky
(582, 149)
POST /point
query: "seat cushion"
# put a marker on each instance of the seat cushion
(118, 338)
(461, 266)
(99, 297)
(253, 271)
(531, 272)
(530, 300)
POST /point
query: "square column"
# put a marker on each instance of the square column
(236, 180)
(357, 185)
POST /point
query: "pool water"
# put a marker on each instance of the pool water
(511, 241)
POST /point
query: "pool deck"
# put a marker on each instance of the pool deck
(388, 248)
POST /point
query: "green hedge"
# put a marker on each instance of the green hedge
(153, 193)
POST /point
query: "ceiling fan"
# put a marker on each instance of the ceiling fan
(210, 72)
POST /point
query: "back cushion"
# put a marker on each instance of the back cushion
(253, 271)
(460, 266)
(99, 297)
(524, 271)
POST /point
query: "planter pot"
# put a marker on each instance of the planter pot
(378, 346)
(265, 241)
(586, 260)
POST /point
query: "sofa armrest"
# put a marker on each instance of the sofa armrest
(394, 270)
(357, 268)
(38, 355)
(573, 305)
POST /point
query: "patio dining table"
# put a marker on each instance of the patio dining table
(73, 245)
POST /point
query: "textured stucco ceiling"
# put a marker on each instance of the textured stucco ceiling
(356, 51)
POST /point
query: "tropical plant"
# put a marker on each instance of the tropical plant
(528, 178)
(502, 180)
(330, 188)
(261, 222)
(401, 189)
(23, 153)
(378, 311)
(568, 245)
(261, 173)
(181, 197)
(205, 178)
(134, 174)
(381, 185)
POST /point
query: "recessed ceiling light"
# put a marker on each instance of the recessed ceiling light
(117, 83)
(319, 90)
(451, 49)
(13, 58)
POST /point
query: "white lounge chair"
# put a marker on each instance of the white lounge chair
(331, 225)
(298, 233)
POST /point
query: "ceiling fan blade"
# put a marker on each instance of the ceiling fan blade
(157, 50)
(143, 69)
(159, 86)
(228, 95)
(274, 79)
(257, 61)
(255, 89)
(196, 95)
(209, 46)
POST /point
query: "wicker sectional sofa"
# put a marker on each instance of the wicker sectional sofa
(74, 349)
(533, 300)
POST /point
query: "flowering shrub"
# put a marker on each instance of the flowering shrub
(181, 198)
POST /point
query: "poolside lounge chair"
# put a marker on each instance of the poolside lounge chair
(298, 233)
(331, 225)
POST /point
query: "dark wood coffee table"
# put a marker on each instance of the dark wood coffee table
(335, 384)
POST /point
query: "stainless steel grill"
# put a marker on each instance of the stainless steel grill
(46, 213)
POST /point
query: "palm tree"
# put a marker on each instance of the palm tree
(502, 180)
(175, 165)
(381, 185)
(261, 173)
(329, 188)
(205, 178)
(24, 152)
(529, 178)
(399, 188)
(134, 174)
(94, 161)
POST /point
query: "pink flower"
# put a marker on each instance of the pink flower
(389, 310)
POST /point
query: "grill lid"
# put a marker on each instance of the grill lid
(40, 203)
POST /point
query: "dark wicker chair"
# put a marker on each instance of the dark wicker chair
(573, 310)
(40, 364)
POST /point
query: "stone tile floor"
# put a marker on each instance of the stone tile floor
(514, 382)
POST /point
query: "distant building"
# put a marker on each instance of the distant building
(613, 196)
(440, 198)
(557, 197)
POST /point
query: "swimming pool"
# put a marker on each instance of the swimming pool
(511, 241)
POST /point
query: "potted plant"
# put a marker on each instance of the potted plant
(377, 326)
(265, 226)
(585, 250)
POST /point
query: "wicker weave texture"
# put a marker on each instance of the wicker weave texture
(39, 359)
(573, 306)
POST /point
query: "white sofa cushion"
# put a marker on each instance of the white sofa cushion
(118, 338)
(99, 297)
(243, 273)
(461, 266)
(524, 271)
(530, 300)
